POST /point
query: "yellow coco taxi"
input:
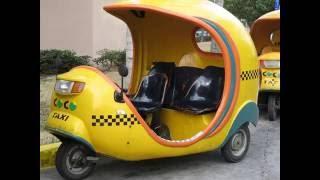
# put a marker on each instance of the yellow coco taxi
(194, 88)
(265, 33)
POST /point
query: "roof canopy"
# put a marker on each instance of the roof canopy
(263, 27)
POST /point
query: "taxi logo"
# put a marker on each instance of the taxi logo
(271, 74)
(273, 82)
(62, 117)
(65, 104)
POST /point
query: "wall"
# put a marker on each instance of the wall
(108, 31)
(80, 25)
(66, 24)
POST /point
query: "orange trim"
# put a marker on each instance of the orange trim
(226, 58)
(237, 87)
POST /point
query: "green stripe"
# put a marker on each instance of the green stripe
(233, 73)
(249, 113)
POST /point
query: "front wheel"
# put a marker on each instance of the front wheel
(237, 146)
(71, 161)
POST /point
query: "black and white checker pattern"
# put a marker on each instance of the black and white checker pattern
(249, 75)
(114, 120)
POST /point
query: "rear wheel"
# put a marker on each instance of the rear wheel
(237, 146)
(272, 107)
(71, 161)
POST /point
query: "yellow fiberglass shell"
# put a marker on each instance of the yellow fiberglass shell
(123, 141)
(166, 33)
(263, 27)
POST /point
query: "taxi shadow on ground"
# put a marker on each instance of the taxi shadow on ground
(154, 166)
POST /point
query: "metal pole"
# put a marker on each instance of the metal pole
(277, 4)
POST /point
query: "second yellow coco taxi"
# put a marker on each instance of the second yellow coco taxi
(265, 33)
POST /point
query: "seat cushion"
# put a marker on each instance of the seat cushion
(146, 107)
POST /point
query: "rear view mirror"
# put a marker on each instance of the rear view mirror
(123, 71)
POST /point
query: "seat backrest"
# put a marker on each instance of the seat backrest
(269, 49)
(192, 89)
(275, 38)
(266, 49)
(275, 41)
(184, 77)
(167, 68)
(206, 91)
(152, 89)
(187, 60)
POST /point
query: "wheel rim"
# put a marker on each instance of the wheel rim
(76, 161)
(239, 143)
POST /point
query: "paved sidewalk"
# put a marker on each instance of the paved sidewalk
(261, 163)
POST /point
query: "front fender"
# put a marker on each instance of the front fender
(249, 113)
(67, 126)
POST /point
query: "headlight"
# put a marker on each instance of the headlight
(271, 64)
(64, 87)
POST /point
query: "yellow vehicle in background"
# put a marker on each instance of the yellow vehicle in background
(265, 33)
(182, 99)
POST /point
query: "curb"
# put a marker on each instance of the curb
(48, 154)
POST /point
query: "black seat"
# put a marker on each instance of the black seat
(167, 68)
(187, 89)
(184, 77)
(151, 95)
(151, 92)
(204, 94)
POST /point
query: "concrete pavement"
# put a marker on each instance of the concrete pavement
(261, 163)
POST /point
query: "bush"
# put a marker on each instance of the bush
(108, 58)
(56, 61)
(249, 9)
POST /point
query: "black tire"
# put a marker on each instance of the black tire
(272, 108)
(63, 161)
(228, 152)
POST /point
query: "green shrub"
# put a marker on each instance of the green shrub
(109, 58)
(54, 61)
(249, 9)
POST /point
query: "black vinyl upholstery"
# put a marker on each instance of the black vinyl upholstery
(167, 68)
(184, 77)
(204, 94)
(151, 93)
(186, 89)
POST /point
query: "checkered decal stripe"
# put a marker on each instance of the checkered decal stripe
(249, 75)
(114, 120)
